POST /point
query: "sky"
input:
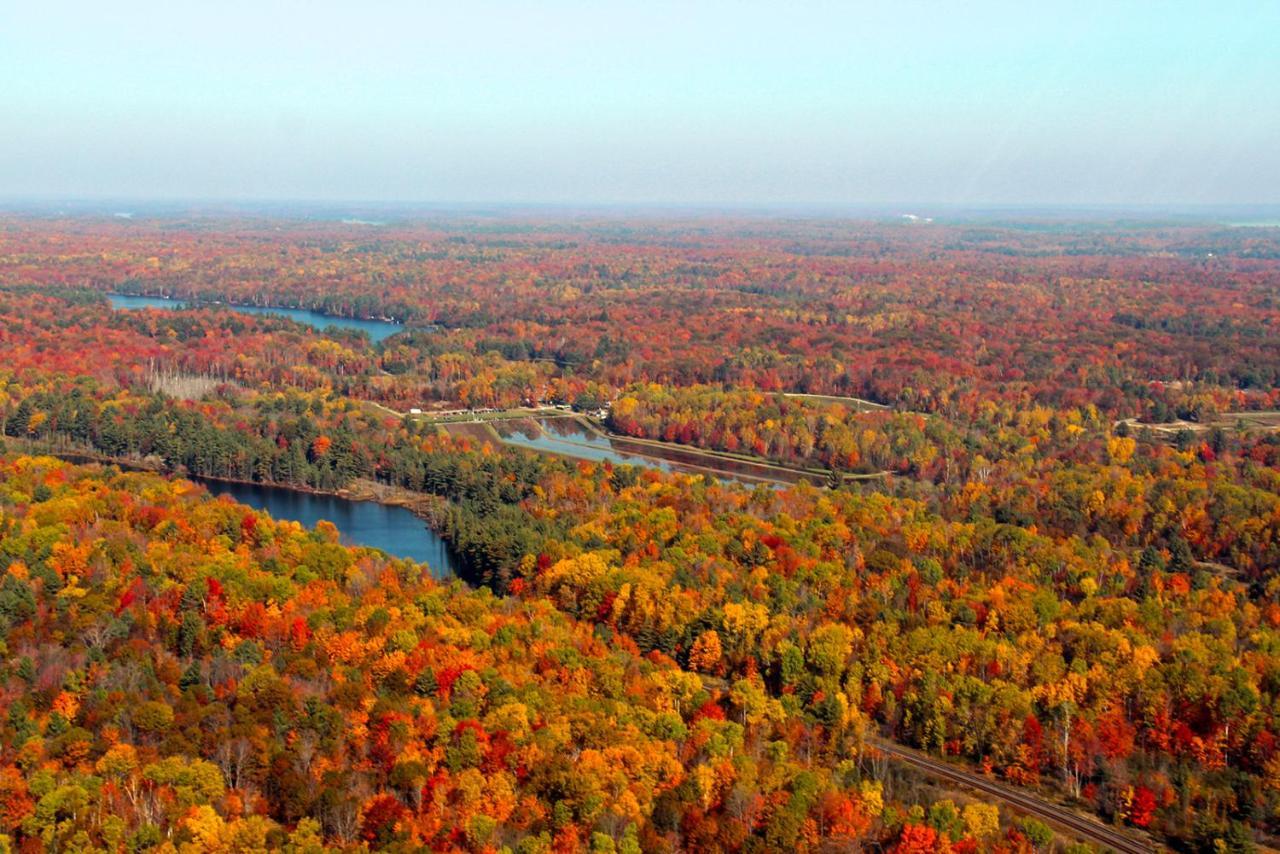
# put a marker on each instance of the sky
(743, 103)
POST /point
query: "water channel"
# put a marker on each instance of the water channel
(376, 329)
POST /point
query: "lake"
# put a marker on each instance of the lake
(376, 329)
(394, 530)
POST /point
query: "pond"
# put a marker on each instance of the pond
(376, 329)
(571, 438)
(394, 530)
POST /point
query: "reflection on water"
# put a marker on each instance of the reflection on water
(566, 436)
(376, 329)
(394, 530)
(571, 438)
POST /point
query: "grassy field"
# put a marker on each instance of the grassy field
(675, 452)
(476, 431)
(856, 403)
(1265, 420)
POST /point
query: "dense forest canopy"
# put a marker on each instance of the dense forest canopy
(1047, 551)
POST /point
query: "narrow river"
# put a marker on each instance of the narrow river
(377, 330)
(571, 438)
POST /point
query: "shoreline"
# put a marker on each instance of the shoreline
(198, 303)
(421, 505)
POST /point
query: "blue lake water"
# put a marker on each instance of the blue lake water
(376, 329)
(394, 530)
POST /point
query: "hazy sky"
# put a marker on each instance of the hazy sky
(634, 102)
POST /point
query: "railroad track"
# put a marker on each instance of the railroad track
(1088, 829)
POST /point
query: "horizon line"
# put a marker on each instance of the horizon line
(194, 204)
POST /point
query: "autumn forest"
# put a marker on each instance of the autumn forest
(825, 535)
